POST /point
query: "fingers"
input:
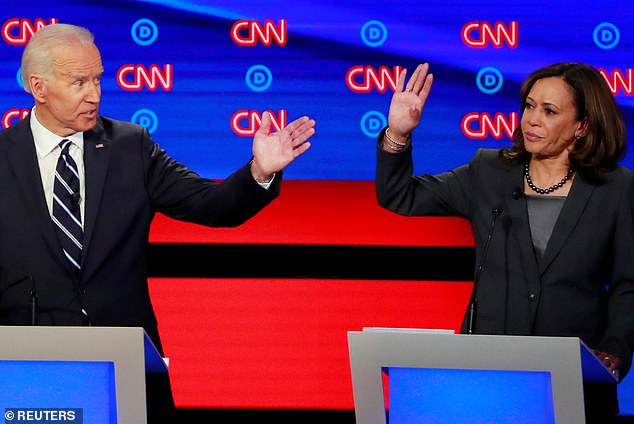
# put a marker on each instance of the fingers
(301, 149)
(421, 81)
(300, 130)
(424, 92)
(299, 124)
(297, 131)
(412, 81)
(613, 363)
(302, 137)
(401, 80)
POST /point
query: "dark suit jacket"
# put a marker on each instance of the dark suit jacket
(128, 179)
(584, 284)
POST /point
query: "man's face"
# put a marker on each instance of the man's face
(67, 101)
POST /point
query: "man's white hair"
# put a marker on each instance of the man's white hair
(37, 58)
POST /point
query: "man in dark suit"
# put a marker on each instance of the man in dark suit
(124, 179)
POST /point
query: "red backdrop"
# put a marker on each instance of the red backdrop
(282, 343)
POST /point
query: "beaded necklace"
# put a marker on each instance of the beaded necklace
(550, 189)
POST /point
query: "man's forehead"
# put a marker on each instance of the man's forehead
(83, 59)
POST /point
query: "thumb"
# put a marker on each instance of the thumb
(265, 125)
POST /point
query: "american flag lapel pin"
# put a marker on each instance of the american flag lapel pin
(99, 146)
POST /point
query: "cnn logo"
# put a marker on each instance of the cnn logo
(246, 122)
(482, 34)
(362, 79)
(18, 32)
(135, 77)
(479, 126)
(249, 33)
(619, 81)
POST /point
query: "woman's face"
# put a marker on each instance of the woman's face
(549, 120)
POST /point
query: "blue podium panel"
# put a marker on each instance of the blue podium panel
(536, 377)
(455, 396)
(74, 392)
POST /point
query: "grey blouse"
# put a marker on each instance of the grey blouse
(543, 212)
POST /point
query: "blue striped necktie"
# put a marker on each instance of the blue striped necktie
(66, 212)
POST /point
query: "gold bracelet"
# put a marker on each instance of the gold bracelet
(395, 148)
(398, 143)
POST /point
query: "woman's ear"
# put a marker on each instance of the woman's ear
(582, 128)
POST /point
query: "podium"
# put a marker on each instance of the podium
(76, 374)
(407, 375)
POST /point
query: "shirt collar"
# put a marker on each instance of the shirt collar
(46, 141)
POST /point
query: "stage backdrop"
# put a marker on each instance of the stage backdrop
(199, 75)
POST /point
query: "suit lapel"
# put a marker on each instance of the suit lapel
(22, 160)
(96, 158)
(568, 217)
(519, 226)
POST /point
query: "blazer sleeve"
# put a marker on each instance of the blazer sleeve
(619, 335)
(445, 194)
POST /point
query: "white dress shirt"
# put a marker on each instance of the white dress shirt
(48, 151)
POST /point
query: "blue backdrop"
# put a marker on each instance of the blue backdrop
(293, 58)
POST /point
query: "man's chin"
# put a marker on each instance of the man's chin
(87, 124)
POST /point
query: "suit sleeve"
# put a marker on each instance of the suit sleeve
(180, 193)
(445, 194)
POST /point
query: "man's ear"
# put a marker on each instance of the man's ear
(38, 89)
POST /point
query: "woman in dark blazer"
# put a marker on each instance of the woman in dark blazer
(552, 215)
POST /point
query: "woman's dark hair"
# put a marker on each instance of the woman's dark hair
(605, 142)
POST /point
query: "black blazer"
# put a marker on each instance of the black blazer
(128, 179)
(584, 284)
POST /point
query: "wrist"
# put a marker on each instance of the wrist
(395, 143)
(259, 176)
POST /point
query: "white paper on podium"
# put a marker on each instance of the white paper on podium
(408, 330)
